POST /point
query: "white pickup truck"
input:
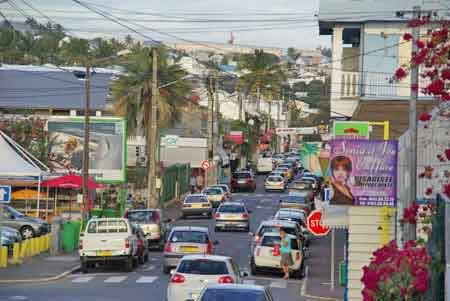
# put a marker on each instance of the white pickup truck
(108, 239)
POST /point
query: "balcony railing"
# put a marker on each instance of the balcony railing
(350, 84)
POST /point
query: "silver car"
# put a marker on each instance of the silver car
(232, 215)
(152, 222)
(186, 240)
(28, 227)
(196, 205)
(196, 271)
(220, 292)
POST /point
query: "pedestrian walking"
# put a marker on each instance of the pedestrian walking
(285, 250)
(193, 183)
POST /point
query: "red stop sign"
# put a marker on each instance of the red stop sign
(314, 221)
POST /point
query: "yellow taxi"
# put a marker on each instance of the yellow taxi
(216, 195)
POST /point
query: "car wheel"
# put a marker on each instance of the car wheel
(27, 232)
(146, 257)
(84, 267)
(166, 270)
(128, 264)
(136, 262)
(141, 259)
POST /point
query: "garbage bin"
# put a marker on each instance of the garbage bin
(76, 233)
(67, 235)
(342, 273)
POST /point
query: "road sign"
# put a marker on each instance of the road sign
(314, 223)
(206, 165)
(5, 194)
(327, 194)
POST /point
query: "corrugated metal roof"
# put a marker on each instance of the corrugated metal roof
(33, 87)
(336, 11)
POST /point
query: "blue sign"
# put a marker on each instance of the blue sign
(5, 194)
(327, 195)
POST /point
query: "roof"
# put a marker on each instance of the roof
(351, 11)
(274, 222)
(205, 256)
(43, 87)
(235, 286)
(235, 203)
(277, 234)
(189, 228)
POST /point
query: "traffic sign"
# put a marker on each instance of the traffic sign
(314, 224)
(327, 195)
(206, 164)
(5, 194)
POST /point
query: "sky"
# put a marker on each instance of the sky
(272, 23)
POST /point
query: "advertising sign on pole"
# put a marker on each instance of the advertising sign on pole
(363, 172)
(351, 130)
(5, 194)
(107, 147)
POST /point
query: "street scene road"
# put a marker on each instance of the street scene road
(148, 282)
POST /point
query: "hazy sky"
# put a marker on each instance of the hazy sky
(279, 23)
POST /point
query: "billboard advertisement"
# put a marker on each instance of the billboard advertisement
(363, 172)
(107, 147)
(351, 129)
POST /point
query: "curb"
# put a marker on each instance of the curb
(47, 279)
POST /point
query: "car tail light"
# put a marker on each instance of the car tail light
(297, 257)
(127, 243)
(156, 217)
(209, 249)
(168, 248)
(245, 215)
(257, 238)
(225, 279)
(186, 205)
(276, 250)
(223, 198)
(258, 252)
(126, 214)
(177, 278)
(217, 215)
(80, 245)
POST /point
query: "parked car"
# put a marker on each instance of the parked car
(276, 183)
(11, 234)
(235, 292)
(195, 271)
(286, 171)
(215, 195)
(28, 227)
(274, 226)
(297, 200)
(280, 173)
(243, 180)
(108, 240)
(228, 194)
(266, 255)
(153, 224)
(195, 205)
(6, 241)
(232, 215)
(142, 244)
(295, 215)
(186, 240)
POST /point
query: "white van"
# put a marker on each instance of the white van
(264, 165)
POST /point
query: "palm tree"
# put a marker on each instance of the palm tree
(132, 92)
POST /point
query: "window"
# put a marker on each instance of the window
(203, 267)
(242, 175)
(270, 241)
(189, 236)
(92, 228)
(231, 209)
(275, 179)
(110, 226)
(235, 295)
(196, 199)
(213, 191)
(141, 216)
(265, 229)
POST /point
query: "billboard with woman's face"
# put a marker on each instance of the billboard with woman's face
(363, 172)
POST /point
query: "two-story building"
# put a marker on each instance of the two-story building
(367, 48)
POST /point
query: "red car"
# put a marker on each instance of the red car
(243, 181)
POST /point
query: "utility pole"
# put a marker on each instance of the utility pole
(153, 201)
(210, 117)
(241, 111)
(217, 110)
(87, 105)
(269, 121)
(258, 97)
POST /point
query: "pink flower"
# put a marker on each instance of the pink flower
(424, 117)
(415, 87)
(445, 74)
(420, 44)
(400, 73)
(429, 191)
(447, 153)
(404, 291)
(407, 36)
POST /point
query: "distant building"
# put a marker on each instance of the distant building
(223, 48)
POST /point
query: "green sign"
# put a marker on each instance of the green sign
(351, 129)
(170, 141)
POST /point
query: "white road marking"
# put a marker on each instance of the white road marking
(115, 279)
(303, 289)
(278, 284)
(149, 268)
(83, 279)
(146, 279)
(249, 282)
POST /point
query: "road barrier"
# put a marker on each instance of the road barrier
(27, 248)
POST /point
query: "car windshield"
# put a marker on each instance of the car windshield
(213, 191)
(231, 209)
(224, 188)
(107, 226)
(189, 236)
(143, 216)
(242, 175)
(235, 295)
(266, 229)
(275, 179)
(294, 199)
(270, 241)
(14, 211)
(203, 267)
(196, 199)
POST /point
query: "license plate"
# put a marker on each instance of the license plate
(189, 249)
(104, 253)
(242, 181)
(233, 216)
(196, 205)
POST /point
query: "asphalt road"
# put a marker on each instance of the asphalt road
(148, 281)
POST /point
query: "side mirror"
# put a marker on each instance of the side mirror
(244, 274)
(168, 220)
(251, 234)
(216, 242)
(172, 272)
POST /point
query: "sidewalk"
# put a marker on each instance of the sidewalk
(41, 268)
(319, 270)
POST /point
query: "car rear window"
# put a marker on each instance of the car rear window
(301, 185)
(242, 175)
(270, 241)
(231, 209)
(142, 216)
(203, 267)
(189, 236)
(275, 179)
(213, 191)
(107, 227)
(268, 229)
(235, 295)
(196, 199)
